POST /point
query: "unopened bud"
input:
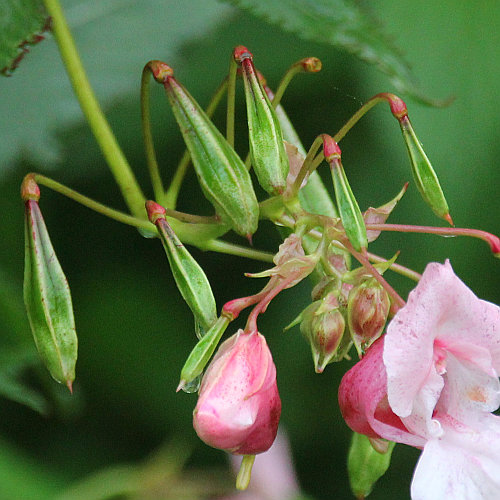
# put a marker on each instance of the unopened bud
(323, 326)
(367, 310)
(365, 465)
(239, 407)
(267, 151)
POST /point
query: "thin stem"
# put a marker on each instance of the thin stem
(308, 65)
(240, 251)
(192, 219)
(172, 193)
(231, 97)
(397, 301)
(112, 152)
(285, 81)
(307, 167)
(492, 240)
(154, 171)
(357, 116)
(398, 268)
(93, 205)
(245, 472)
(251, 325)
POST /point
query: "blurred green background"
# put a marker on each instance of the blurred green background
(134, 330)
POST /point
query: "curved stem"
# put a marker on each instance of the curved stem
(112, 152)
(232, 249)
(307, 167)
(492, 240)
(191, 219)
(397, 301)
(398, 268)
(94, 205)
(357, 116)
(154, 171)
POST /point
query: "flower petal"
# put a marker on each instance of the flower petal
(461, 466)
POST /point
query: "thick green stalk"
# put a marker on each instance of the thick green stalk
(112, 152)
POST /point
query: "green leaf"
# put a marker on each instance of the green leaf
(341, 23)
(113, 57)
(21, 24)
(13, 363)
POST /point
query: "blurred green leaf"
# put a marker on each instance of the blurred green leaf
(341, 23)
(21, 22)
(13, 363)
(112, 56)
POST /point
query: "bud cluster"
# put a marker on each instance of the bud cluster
(239, 406)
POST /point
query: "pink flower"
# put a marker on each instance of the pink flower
(239, 407)
(432, 383)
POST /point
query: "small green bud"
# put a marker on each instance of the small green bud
(366, 466)
(348, 207)
(46, 294)
(222, 175)
(367, 311)
(323, 326)
(189, 276)
(267, 151)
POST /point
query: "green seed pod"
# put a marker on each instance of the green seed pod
(365, 465)
(423, 173)
(47, 296)
(350, 214)
(189, 276)
(222, 175)
(267, 151)
(367, 311)
(202, 352)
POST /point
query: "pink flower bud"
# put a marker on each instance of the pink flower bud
(367, 312)
(239, 407)
(323, 326)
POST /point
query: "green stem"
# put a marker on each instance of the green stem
(172, 193)
(357, 116)
(94, 205)
(398, 268)
(154, 171)
(285, 81)
(308, 166)
(112, 152)
(232, 249)
(231, 95)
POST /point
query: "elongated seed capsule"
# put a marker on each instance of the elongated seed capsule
(221, 173)
(189, 276)
(425, 177)
(46, 294)
(267, 151)
(348, 207)
(202, 352)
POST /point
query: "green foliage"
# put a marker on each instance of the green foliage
(113, 59)
(341, 23)
(135, 331)
(21, 22)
